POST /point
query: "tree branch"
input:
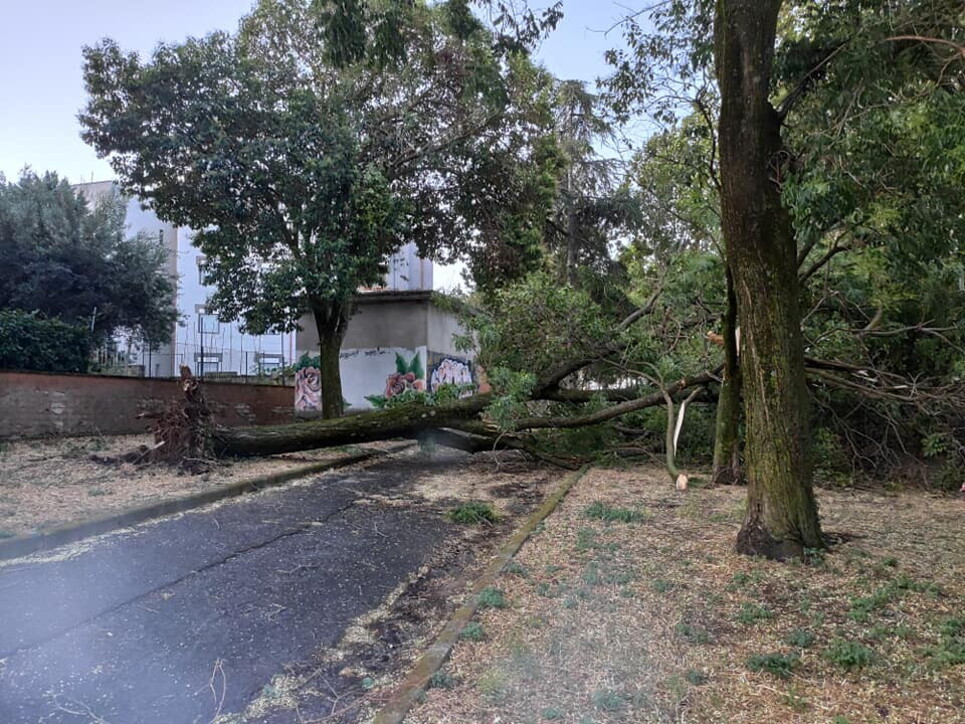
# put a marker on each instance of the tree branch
(595, 418)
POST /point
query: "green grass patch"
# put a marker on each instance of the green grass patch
(800, 638)
(473, 632)
(951, 650)
(515, 568)
(776, 664)
(849, 655)
(601, 511)
(661, 585)
(742, 580)
(608, 700)
(442, 679)
(752, 613)
(863, 606)
(474, 513)
(492, 598)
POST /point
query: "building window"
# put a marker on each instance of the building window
(207, 363)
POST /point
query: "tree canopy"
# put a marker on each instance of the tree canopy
(65, 260)
(312, 143)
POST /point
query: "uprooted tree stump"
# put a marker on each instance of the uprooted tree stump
(182, 427)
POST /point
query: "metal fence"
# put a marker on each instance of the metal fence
(217, 364)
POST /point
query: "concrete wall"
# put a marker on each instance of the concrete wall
(373, 372)
(388, 325)
(385, 319)
(34, 404)
(442, 325)
(391, 319)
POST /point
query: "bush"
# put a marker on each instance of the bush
(28, 342)
(474, 513)
(776, 664)
(849, 654)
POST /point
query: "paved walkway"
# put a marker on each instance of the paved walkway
(187, 618)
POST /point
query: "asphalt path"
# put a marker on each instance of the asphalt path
(187, 618)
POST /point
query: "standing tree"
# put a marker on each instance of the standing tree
(307, 147)
(63, 259)
(781, 519)
(736, 38)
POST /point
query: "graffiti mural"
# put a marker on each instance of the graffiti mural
(372, 376)
(407, 376)
(308, 385)
(452, 371)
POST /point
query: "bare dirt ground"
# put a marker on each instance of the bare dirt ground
(631, 606)
(51, 482)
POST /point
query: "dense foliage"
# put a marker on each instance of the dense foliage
(61, 258)
(28, 342)
(871, 171)
(316, 140)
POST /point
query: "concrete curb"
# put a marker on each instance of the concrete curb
(27, 544)
(435, 656)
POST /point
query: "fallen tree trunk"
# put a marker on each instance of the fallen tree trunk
(395, 422)
(415, 418)
(461, 424)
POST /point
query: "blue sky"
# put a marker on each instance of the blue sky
(40, 64)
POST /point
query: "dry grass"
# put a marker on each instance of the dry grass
(656, 619)
(46, 483)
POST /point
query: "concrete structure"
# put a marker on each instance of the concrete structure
(397, 340)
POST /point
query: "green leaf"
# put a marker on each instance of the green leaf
(416, 368)
(400, 364)
(377, 401)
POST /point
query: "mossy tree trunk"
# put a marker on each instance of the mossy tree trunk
(406, 421)
(781, 519)
(727, 465)
(331, 321)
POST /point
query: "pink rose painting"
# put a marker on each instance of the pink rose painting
(397, 383)
(308, 389)
(407, 376)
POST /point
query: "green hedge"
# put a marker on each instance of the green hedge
(28, 342)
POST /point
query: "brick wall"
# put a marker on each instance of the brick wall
(34, 404)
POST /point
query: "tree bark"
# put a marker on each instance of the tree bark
(781, 519)
(406, 421)
(727, 466)
(331, 321)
